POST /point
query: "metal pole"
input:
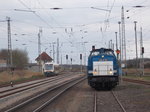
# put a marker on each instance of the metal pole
(123, 38)
(9, 63)
(142, 54)
(116, 41)
(57, 50)
(50, 49)
(61, 59)
(120, 41)
(53, 52)
(39, 48)
(117, 45)
(9, 43)
(136, 45)
(113, 46)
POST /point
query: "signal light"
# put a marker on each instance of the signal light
(142, 50)
(80, 56)
(118, 51)
(67, 57)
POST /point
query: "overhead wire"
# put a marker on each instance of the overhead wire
(35, 13)
(38, 16)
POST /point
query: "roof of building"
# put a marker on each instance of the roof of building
(44, 57)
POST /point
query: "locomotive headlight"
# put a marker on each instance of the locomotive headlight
(95, 72)
(110, 72)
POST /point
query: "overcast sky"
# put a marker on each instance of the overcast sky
(76, 24)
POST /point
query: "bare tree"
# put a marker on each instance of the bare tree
(19, 57)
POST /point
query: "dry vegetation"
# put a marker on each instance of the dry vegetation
(17, 75)
(134, 74)
(134, 71)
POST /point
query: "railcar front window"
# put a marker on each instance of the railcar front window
(49, 67)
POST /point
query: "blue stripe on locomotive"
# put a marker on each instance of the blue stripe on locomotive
(102, 56)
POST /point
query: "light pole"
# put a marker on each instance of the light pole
(120, 41)
(54, 50)
(135, 22)
(84, 52)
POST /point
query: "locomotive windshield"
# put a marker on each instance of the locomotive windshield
(109, 53)
(95, 53)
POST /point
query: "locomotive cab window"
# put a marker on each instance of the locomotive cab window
(95, 53)
(109, 53)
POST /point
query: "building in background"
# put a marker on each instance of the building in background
(3, 65)
(43, 57)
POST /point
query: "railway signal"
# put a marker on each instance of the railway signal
(80, 56)
(142, 50)
(118, 51)
(81, 61)
(66, 59)
(71, 63)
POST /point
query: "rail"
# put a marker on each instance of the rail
(123, 109)
(12, 91)
(43, 105)
(95, 102)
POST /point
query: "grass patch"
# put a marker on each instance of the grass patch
(146, 78)
(135, 74)
(19, 76)
(136, 71)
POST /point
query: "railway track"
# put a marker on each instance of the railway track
(41, 101)
(95, 102)
(115, 97)
(120, 104)
(12, 91)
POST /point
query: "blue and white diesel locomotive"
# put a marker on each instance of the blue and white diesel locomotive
(103, 68)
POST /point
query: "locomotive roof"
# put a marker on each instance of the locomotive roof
(102, 50)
